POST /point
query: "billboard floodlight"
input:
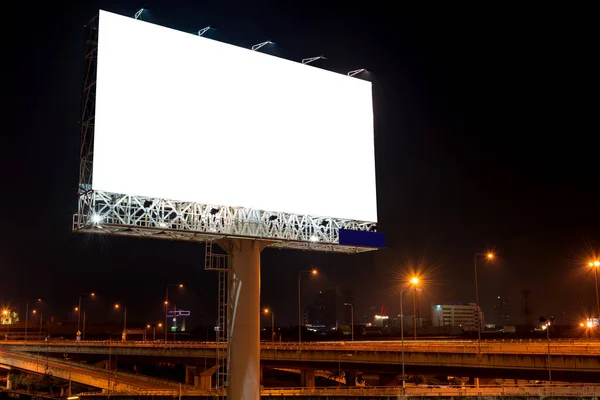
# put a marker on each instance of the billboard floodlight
(259, 45)
(204, 30)
(311, 59)
(314, 238)
(96, 219)
(356, 72)
(138, 14)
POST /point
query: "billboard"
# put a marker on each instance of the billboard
(186, 118)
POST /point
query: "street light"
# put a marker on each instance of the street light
(313, 272)
(267, 311)
(546, 326)
(177, 285)
(27, 314)
(78, 309)
(124, 335)
(488, 256)
(414, 281)
(351, 318)
(596, 264)
(153, 326)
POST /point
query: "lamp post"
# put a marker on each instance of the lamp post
(177, 285)
(312, 272)
(413, 281)
(488, 256)
(267, 311)
(351, 318)
(546, 326)
(124, 335)
(596, 264)
(153, 326)
(27, 314)
(79, 311)
(6, 315)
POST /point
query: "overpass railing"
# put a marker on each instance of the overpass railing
(557, 347)
(422, 391)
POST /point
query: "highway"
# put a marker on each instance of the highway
(85, 374)
(576, 360)
(531, 346)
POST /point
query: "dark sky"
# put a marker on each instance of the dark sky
(483, 140)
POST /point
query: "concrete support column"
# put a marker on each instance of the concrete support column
(307, 377)
(476, 382)
(190, 372)
(350, 378)
(244, 327)
(8, 383)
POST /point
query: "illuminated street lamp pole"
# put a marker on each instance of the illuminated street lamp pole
(267, 311)
(27, 315)
(312, 272)
(351, 318)
(117, 306)
(413, 281)
(153, 326)
(79, 311)
(488, 256)
(5, 313)
(177, 285)
(546, 326)
(596, 264)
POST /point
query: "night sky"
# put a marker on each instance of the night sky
(484, 140)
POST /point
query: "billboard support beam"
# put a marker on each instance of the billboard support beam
(244, 318)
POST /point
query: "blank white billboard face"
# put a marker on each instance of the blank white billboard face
(187, 118)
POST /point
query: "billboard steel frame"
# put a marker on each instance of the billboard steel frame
(241, 232)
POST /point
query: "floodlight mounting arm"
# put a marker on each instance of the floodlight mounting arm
(259, 45)
(311, 59)
(203, 30)
(138, 14)
(356, 72)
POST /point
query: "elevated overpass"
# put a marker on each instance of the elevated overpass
(566, 356)
(108, 381)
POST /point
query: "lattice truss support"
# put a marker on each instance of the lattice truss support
(118, 214)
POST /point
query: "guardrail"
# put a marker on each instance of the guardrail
(557, 348)
(370, 392)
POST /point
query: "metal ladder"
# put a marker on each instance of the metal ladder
(220, 263)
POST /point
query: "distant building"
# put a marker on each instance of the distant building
(323, 311)
(381, 321)
(501, 311)
(457, 314)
